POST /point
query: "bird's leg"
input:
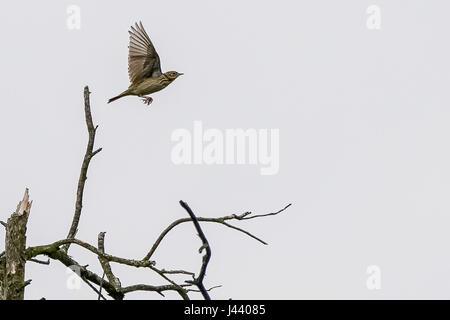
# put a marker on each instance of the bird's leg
(147, 100)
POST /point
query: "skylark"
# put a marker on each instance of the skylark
(144, 68)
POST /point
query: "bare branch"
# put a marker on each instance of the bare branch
(221, 220)
(96, 151)
(178, 272)
(146, 287)
(179, 288)
(39, 261)
(210, 289)
(246, 217)
(199, 280)
(98, 291)
(54, 252)
(48, 249)
(86, 275)
(105, 264)
(25, 283)
(244, 231)
(84, 167)
(101, 286)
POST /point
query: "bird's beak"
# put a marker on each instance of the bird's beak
(180, 74)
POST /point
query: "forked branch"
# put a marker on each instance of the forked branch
(89, 154)
(198, 281)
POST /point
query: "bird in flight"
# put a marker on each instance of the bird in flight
(144, 67)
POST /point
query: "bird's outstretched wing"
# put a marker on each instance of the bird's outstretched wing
(143, 60)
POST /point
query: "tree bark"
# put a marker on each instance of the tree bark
(2, 275)
(12, 264)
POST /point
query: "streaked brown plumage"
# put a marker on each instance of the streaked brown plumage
(144, 67)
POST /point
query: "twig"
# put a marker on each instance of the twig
(101, 286)
(25, 283)
(246, 217)
(178, 272)
(210, 289)
(221, 220)
(46, 249)
(84, 167)
(39, 261)
(179, 288)
(199, 280)
(105, 264)
(98, 291)
(244, 231)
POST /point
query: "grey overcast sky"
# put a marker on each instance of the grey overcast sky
(364, 154)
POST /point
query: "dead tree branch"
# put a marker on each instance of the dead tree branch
(40, 261)
(105, 263)
(32, 252)
(178, 272)
(221, 220)
(245, 216)
(147, 287)
(84, 167)
(101, 287)
(86, 275)
(210, 289)
(205, 246)
(113, 288)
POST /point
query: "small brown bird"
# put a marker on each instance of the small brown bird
(144, 67)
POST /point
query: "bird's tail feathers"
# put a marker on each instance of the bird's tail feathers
(123, 94)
